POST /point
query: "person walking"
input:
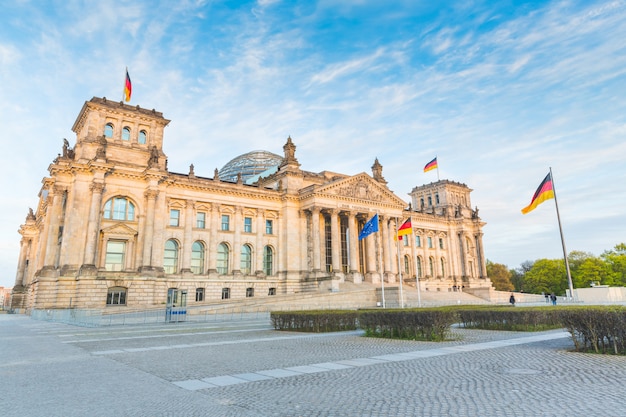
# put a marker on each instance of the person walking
(553, 298)
(512, 299)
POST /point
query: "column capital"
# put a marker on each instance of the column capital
(151, 194)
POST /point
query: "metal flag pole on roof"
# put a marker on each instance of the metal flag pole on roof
(558, 217)
(399, 264)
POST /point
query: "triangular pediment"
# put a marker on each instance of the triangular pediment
(359, 187)
(119, 229)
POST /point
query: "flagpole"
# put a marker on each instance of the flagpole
(437, 169)
(558, 216)
(399, 265)
(382, 277)
(417, 278)
(124, 86)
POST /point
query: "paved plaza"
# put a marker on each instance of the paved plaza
(245, 368)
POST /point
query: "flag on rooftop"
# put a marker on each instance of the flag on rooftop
(544, 192)
(370, 227)
(128, 87)
(431, 165)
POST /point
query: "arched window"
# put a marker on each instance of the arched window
(268, 260)
(108, 130)
(419, 267)
(119, 208)
(406, 264)
(197, 257)
(126, 133)
(443, 267)
(222, 258)
(170, 257)
(142, 137)
(246, 259)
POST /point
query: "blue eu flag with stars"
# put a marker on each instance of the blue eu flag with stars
(370, 227)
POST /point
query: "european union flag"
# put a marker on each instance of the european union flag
(370, 227)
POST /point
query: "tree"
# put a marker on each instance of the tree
(547, 276)
(616, 260)
(500, 276)
(518, 275)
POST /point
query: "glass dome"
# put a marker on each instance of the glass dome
(248, 165)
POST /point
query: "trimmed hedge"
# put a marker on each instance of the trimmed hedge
(513, 319)
(599, 329)
(415, 324)
(316, 321)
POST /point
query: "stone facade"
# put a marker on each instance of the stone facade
(115, 228)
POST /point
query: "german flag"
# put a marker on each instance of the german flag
(431, 165)
(128, 87)
(544, 192)
(405, 229)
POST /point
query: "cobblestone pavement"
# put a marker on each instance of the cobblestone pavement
(247, 369)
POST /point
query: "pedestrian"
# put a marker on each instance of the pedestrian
(547, 298)
(553, 298)
(512, 299)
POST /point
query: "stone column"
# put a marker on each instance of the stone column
(188, 236)
(335, 241)
(214, 224)
(316, 232)
(354, 243)
(89, 260)
(25, 245)
(386, 246)
(260, 231)
(54, 223)
(151, 196)
(481, 256)
(237, 226)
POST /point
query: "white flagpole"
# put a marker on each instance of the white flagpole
(437, 170)
(124, 86)
(417, 277)
(399, 264)
(382, 277)
(556, 204)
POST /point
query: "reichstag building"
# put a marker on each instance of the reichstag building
(114, 228)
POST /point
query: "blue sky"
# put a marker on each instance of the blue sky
(499, 91)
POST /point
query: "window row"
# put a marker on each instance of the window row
(116, 253)
(122, 208)
(225, 223)
(430, 242)
(118, 295)
(433, 269)
(109, 130)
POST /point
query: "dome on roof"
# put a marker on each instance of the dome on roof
(248, 165)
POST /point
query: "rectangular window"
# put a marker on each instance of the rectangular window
(405, 240)
(247, 224)
(418, 241)
(225, 222)
(174, 217)
(114, 259)
(272, 291)
(430, 242)
(200, 220)
(440, 243)
(116, 296)
(269, 227)
(199, 294)
(250, 292)
(225, 293)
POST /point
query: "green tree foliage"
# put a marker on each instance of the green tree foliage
(616, 259)
(546, 275)
(500, 276)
